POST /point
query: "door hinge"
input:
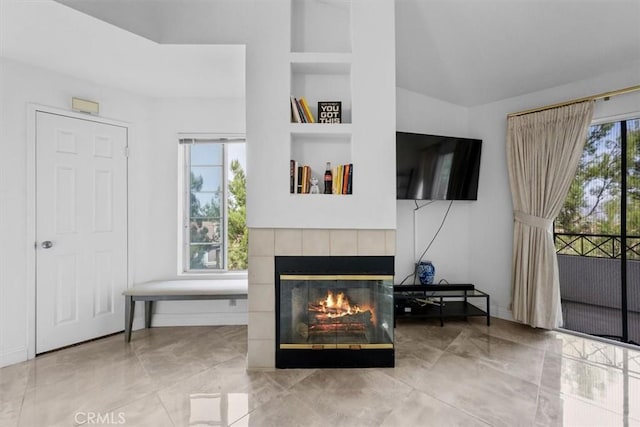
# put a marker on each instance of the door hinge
(126, 151)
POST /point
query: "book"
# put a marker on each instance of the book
(306, 110)
(306, 179)
(350, 179)
(299, 183)
(295, 114)
(330, 112)
(345, 178)
(292, 175)
(303, 116)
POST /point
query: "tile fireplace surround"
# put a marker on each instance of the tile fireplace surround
(266, 243)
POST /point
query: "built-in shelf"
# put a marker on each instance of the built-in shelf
(320, 66)
(316, 149)
(321, 63)
(343, 129)
(323, 82)
(321, 26)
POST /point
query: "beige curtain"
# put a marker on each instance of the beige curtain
(543, 151)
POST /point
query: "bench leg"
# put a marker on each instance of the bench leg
(148, 309)
(129, 309)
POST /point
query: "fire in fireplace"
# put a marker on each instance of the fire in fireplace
(334, 312)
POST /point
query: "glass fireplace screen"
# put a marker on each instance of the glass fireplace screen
(335, 312)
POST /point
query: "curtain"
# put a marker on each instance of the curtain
(543, 151)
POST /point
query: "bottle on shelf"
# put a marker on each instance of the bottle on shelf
(328, 179)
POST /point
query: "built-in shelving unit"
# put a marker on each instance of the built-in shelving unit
(320, 65)
(321, 26)
(322, 77)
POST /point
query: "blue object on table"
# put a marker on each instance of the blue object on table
(426, 272)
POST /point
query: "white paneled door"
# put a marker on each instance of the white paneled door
(81, 229)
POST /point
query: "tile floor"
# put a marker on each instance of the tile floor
(464, 373)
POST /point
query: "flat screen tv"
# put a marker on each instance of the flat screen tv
(432, 167)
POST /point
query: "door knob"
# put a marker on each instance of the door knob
(47, 244)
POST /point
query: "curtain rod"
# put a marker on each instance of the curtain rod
(604, 95)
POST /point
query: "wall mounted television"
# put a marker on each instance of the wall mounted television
(433, 167)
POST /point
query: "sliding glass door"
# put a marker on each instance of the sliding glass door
(597, 236)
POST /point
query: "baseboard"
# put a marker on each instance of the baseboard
(198, 319)
(502, 313)
(13, 355)
(138, 323)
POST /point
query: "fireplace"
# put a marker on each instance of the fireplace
(334, 311)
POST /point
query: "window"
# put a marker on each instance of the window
(214, 204)
(597, 236)
(604, 199)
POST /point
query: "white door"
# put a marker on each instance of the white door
(81, 229)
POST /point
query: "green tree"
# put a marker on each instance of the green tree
(596, 171)
(633, 189)
(238, 234)
(594, 202)
(610, 222)
(200, 219)
(633, 177)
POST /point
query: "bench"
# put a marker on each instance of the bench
(173, 290)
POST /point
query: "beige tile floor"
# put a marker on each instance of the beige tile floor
(464, 373)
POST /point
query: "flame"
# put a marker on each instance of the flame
(338, 306)
(335, 306)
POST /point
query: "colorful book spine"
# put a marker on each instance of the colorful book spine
(303, 117)
(307, 111)
(345, 179)
(295, 114)
(299, 182)
(307, 179)
(292, 174)
(304, 180)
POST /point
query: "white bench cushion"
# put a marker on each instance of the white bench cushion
(189, 287)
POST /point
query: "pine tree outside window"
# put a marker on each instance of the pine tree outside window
(214, 232)
(597, 235)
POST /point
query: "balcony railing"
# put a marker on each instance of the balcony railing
(591, 285)
(596, 245)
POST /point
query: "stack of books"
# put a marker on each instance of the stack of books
(342, 179)
(300, 178)
(300, 111)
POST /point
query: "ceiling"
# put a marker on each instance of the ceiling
(55, 37)
(467, 52)
(472, 52)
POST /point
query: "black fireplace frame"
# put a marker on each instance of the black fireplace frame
(333, 358)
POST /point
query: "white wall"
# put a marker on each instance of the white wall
(157, 234)
(476, 241)
(157, 217)
(22, 84)
(491, 219)
(152, 182)
(450, 251)
(372, 94)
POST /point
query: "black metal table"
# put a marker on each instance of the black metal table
(439, 301)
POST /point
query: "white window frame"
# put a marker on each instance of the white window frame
(184, 167)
